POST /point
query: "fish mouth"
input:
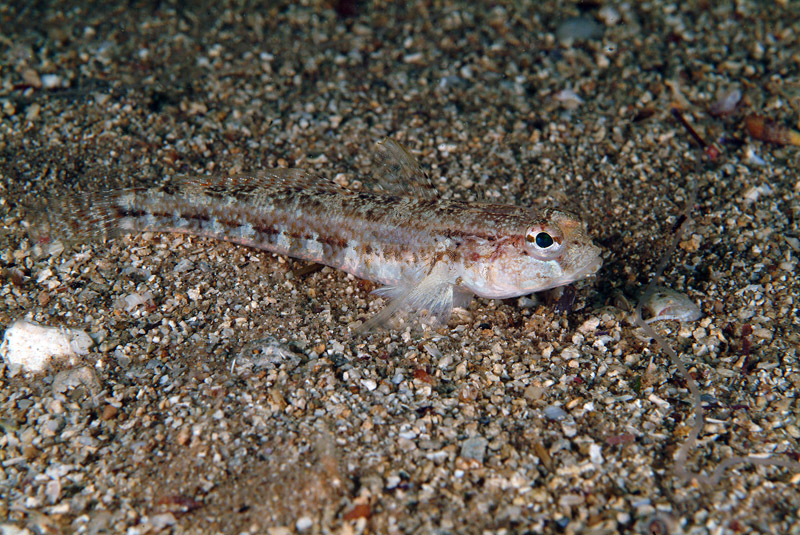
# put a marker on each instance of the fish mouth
(589, 269)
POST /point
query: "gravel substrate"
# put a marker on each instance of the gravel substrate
(226, 391)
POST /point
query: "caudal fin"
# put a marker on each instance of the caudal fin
(75, 218)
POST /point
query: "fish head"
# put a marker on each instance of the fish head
(554, 250)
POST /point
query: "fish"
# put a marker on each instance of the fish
(429, 254)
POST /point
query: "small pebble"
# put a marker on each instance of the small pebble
(578, 29)
(53, 490)
(12, 529)
(569, 99)
(555, 413)
(369, 384)
(32, 112)
(161, 521)
(595, 454)
(589, 325)
(568, 500)
(474, 448)
(109, 413)
(184, 265)
(51, 81)
(32, 78)
(131, 301)
(303, 524)
(754, 158)
(609, 15)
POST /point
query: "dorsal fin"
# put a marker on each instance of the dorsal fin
(399, 173)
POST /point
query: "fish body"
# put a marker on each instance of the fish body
(428, 253)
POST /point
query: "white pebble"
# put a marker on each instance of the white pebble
(184, 265)
(432, 350)
(609, 15)
(51, 81)
(754, 159)
(160, 521)
(131, 301)
(595, 454)
(13, 529)
(30, 347)
(658, 401)
(369, 384)
(43, 275)
(53, 490)
(589, 325)
(303, 523)
(194, 294)
(726, 104)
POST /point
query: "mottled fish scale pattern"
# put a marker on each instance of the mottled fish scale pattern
(319, 223)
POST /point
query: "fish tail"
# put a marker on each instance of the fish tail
(75, 218)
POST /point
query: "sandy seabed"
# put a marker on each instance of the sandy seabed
(226, 392)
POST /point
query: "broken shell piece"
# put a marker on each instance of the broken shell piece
(30, 347)
(666, 304)
(726, 104)
(770, 132)
(569, 99)
(74, 378)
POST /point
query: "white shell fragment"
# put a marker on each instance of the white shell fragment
(569, 98)
(75, 377)
(726, 104)
(665, 304)
(131, 301)
(30, 347)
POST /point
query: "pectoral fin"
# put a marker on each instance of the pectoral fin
(433, 297)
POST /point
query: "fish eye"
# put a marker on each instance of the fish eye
(543, 243)
(543, 240)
